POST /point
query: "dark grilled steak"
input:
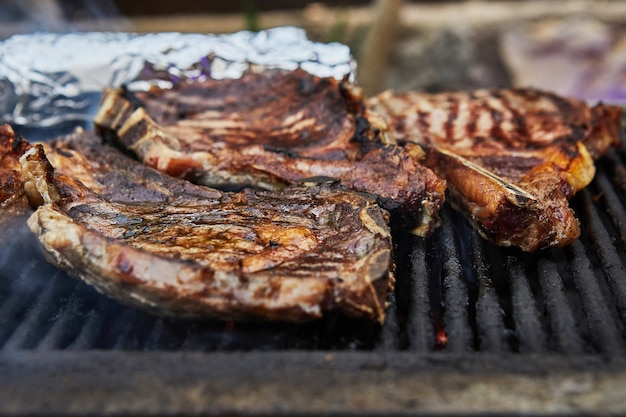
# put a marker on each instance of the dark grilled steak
(14, 199)
(175, 248)
(271, 130)
(512, 158)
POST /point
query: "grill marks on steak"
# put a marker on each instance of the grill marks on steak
(512, 158)
(175, 248)
(238, 113)
(271, 130)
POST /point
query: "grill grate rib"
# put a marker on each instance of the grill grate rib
(610, 261)
(419, 326)
(488, 311)
(89, 333)
(35, 324)
(525, 313)
(456, 298)
(613, 204)
(604, 333)
(562, 322)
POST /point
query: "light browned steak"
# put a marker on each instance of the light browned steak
(270, 130)
(166, 245)
(512, 157)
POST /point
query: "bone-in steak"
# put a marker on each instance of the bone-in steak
(270, 130)
(14, 204)
(13, 200)
(512, 157)
(175, 248)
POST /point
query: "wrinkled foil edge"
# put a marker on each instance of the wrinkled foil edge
(49, 79)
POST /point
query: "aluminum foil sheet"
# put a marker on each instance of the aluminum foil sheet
(50, 80)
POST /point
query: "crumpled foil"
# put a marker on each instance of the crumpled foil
(49, 80)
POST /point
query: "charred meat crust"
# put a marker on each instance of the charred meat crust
(13, 199)
(174, 248)
(270, 130)
(531, 214)
(512, 157)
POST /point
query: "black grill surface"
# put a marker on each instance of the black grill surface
(472, 328)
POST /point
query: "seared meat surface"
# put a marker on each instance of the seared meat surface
(14, 204)
(512, 158)
(13, 200)
(271, 130)
(174, 248)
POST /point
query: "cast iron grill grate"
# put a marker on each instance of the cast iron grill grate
(455, 293)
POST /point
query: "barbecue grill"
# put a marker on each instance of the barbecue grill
(472, 329)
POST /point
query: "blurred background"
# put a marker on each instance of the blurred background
(576, 48)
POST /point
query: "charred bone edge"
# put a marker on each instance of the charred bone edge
(514, 193)
(117, 116)
(143, 279)
(562, 233)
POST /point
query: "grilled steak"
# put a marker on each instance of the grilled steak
(14, 204)
(179, 249)
(271, 130)
(13, 200)
(512, 158)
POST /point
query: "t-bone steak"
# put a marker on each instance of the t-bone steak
(179, 249)
(270, 130)
(512, 157)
